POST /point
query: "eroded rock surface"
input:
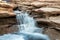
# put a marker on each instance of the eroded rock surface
(7, 18)
(45, 13)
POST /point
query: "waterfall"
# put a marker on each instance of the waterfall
(26, 23)
(27, 29)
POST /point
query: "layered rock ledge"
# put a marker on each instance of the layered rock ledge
(7, 18)
(46, 13)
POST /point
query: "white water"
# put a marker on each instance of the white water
(27, 29)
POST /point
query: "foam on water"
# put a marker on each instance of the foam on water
(27, 29)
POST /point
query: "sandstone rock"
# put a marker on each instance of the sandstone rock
(10, 29)
(8, 25)
(6, 14)
(42, 20)
(25, 3)
(53, 34)
(45, 9)
(7, 5)
(38, 4)
(49, 9)
(26, 7)
(6, 9)
(47, 12)
(55, 19)
(8, 20)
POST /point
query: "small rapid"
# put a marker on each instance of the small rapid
(27, 29)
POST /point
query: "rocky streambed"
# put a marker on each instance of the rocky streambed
(47, 15)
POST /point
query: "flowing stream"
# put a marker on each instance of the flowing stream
(27, 29)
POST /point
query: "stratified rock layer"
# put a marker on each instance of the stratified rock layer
(7, 18)
(6, 9)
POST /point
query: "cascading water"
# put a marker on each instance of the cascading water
(27, 23)
(27, 29)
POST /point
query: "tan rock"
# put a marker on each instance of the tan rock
(7, 5)
(25, 3)
(38, 4)
(6, 9)
(42, 20)
(6, 14)
(55, 19)
(10, 29)
(47, 11)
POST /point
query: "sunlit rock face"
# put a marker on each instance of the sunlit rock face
(7, 0)
(7, 18)
(6, 9)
